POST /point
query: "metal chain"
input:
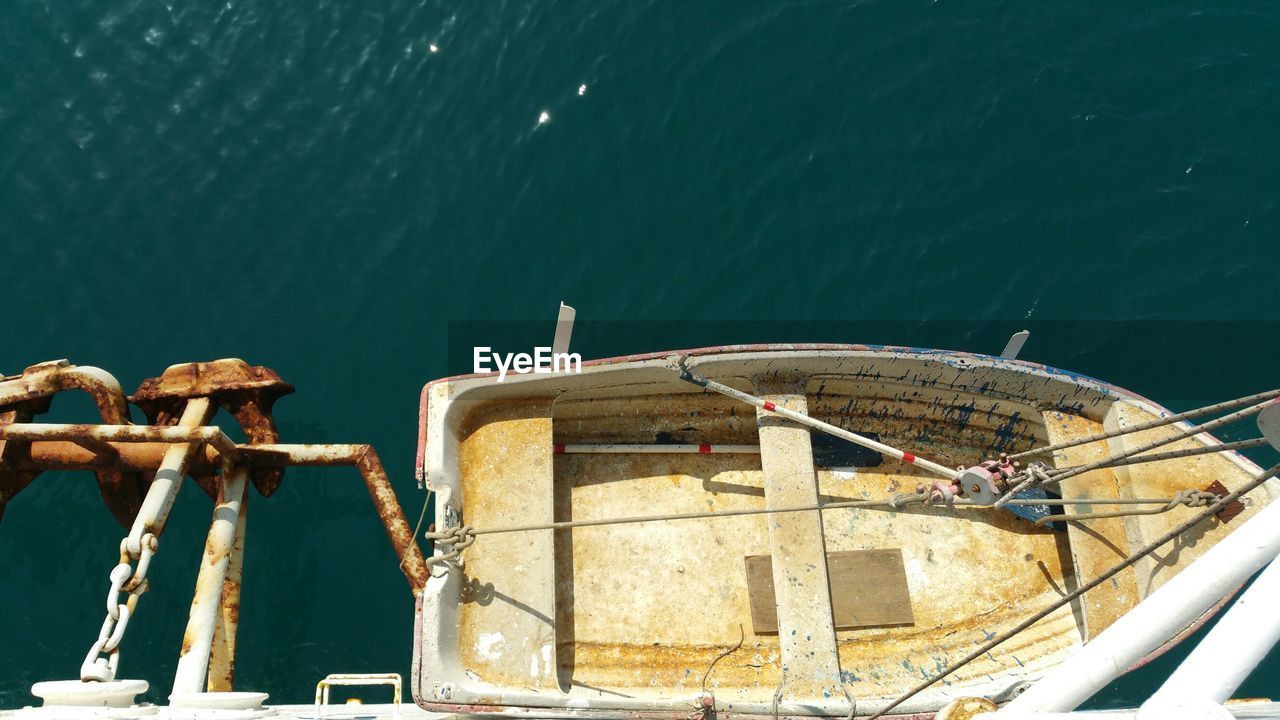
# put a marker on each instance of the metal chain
(124, 578)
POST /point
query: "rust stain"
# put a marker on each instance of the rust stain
(412, 563)
(30, 394)
(1232, 509)
(246, 392)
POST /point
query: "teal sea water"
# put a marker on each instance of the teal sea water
(323, 186)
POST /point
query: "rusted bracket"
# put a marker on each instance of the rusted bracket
(246, 392)
(25, 396)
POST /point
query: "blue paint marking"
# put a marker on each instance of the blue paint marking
(1005, 434)
(959, 415)
(1032, 513)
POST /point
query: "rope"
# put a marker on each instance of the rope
(742, 636)
(1185, 452)
(986, 647)
(1035, 473)
(425, 502)
(461, 537)
(1159, 442)
(1189, 498)
(853, 704)
(567, 524)
(1159, 422)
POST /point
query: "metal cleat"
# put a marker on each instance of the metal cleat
(246, 392)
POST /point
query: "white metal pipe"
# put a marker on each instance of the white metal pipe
(197, 642)
(657, 449)
(272, 455)
(817, 424)
(1164, 613)
(222, 656)
(1234, 647)
(1125, 714)
(122, 434)
(164, 488)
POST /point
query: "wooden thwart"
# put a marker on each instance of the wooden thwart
(868, 589)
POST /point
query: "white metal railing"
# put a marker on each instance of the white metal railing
(1217, 666)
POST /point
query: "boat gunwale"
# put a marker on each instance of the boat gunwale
(420, 470)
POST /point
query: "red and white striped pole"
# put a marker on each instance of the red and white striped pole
(656, 449)
(816, 424)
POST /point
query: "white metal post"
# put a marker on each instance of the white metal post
(1226, 656)
(193, 664)
(168, 480)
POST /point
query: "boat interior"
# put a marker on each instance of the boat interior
(811, 608)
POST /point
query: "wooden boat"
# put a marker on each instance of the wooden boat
(647, 619)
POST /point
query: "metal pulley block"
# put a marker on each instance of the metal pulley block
(985, 483)
(246, 392)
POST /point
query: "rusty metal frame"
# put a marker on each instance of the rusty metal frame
(99, 439)
(208, 649)
(180, 442)
(139, 447)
